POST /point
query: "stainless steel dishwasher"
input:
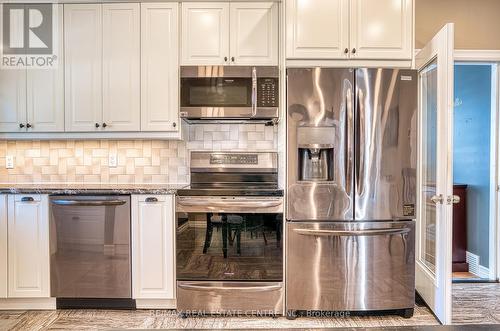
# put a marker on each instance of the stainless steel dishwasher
(90, 251)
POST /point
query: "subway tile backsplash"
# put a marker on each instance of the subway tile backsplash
(138, 161)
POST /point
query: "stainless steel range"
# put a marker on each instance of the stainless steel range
(229, 235)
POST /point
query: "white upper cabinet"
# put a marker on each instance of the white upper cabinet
(205, 33)
(381, 29)
(159, 67)
(349, 29)
(3, 246)
(45, 92)
(317, 29)
(83, 66)
(254, 33)
(12, 100)
(121, 67)
(240, 33)
(153, 273)
(28, 246)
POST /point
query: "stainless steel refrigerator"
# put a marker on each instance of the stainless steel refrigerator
(351, 189)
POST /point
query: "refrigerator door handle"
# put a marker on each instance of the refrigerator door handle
(349, 143)
(337, 233)
(360, 142)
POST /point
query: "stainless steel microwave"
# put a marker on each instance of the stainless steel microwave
(229, 93)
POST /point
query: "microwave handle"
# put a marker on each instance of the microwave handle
(254, 92)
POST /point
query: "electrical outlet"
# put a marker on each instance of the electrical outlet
(112, 160)
(9, 162)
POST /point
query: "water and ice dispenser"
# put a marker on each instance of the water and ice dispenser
(315, 153)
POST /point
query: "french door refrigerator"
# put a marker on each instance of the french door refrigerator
(351, 189)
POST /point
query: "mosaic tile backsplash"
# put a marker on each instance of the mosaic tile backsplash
(138, 161)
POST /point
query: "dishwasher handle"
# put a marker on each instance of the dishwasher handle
(338, 233)
(69, 202)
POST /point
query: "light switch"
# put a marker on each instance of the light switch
(112, 160)
(9, 162)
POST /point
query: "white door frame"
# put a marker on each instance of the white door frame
(491, 57)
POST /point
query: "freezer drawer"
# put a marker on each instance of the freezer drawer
(350, 266)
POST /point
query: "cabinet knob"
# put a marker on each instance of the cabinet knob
(174, 124)
(354, 51)
(346, 50)
(225, 58)
(21, 125)
(232, 58)
(29, 125)
(104, 125)
(151, 199)
(97, 125)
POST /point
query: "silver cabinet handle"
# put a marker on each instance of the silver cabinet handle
(230, 288)
(337, 233)
(64, 202)
(151, 199)
(437, 199)
(27, 199)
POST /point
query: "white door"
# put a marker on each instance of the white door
(435, 174)
(159, 67)
(12, 100)
(3, 246)
(381, 29)
(254, 33)
(45, 92)
(28, 246)
(317, 29)
(83, 66)
(121, 67)
(153, 274)
(205, 33)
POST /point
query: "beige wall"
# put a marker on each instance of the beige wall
(477, 22)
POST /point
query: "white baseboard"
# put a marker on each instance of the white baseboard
(155, 303)
(28, 304)
(474, 266)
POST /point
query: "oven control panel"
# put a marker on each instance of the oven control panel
(234, 159)
(267, 92)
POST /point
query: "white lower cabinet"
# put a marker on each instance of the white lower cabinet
(28, 246)
(153, 272)
(3, 246)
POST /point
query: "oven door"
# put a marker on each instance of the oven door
(229, 238)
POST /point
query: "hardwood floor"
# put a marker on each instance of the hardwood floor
(472, 304)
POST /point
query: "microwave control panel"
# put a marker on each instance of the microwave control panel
(267, 92)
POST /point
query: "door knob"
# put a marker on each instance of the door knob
(453, 199)
(437, 199)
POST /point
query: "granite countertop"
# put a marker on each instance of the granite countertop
(69, 189)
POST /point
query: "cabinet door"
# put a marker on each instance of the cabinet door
(12, 100)
(83, 66)
(28, 246)
(254, 33)
(159, 67)
(381, 29)
(205, 33)
(121, 67)
(317, 29)
(3, 246)
(153, 274)
(45, 92)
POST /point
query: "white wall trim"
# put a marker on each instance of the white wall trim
(475, 267)
(28, 304)
(156, 303)
(477, 55)
(494, 237)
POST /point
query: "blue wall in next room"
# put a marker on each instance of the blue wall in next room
(471, 152)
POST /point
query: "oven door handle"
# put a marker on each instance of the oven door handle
(264, 288)
(230, 203)
(65, 202)
(338, 233)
